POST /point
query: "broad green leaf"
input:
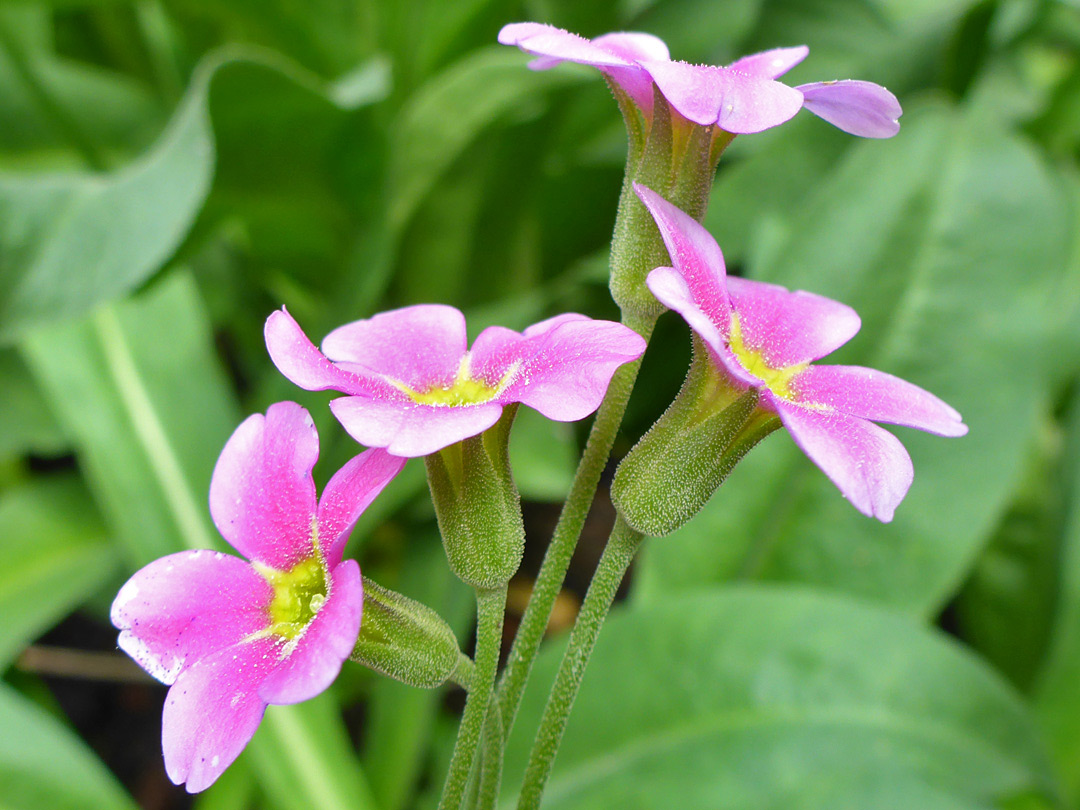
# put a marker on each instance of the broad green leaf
(923, 235)
(139, 389)
(54, 554)
(303, 758)
(28, 425)
(1057, 699)
(760, 697)
(543, 456)
(71, 241)
(44, 764)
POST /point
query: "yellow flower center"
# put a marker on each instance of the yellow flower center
(464, 390)
(299, 594)
(777, 380)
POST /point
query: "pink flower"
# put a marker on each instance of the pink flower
(764, 336)
(742, 97)
(231, 636)
(414, 387)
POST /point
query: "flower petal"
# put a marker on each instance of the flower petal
(186, 606)
(566, 364)
(861, 108)
(737, 102)
(868, 464)
(212, 711)
(872, 394)
(410, 430)
(420, 346)
(633, 46)
(327, 641)
(297, 358)
(557, 43)
(262, 496)
(770, 64)
(695, 255)
(789, 328)
(348, 494)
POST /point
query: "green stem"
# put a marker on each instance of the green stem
(564, 539)
(491, 759)
(618, 554)
(465, 672)
(491, 605)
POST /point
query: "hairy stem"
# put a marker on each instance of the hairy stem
(564, 540)
(618, 554)
(491, 605)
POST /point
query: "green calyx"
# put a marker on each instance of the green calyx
(477, 506)
(299, 594)
(675, 158)
(675, 468)
(405, 639)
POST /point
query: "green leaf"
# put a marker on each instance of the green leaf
(543, 456)
(53, 556)
(28, 425)
(907, 232)
(139, 389)
(761, 697)
(71, 241)
(44, 764)
(1057, 699)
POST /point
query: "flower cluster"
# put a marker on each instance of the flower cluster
(231, 636)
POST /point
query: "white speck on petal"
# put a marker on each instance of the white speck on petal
(214, 762)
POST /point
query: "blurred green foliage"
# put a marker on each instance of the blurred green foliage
(173, 170)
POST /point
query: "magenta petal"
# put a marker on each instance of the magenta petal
(348, 494)
(556, 43)
(326, 642)
(262, 496)
(566, 368)
(737, 102)
(770, 64)
(633, 46)
(297, 358)
(872, 394)
(695, 255)
(861, 108)
(790, 328)
(411, 430)
(212, 711)
(868, 464)
(183, 607)
(420, 346)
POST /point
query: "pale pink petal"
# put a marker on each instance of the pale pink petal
(633, 46)
(771, 64)
(315, 661)
(185, 606)
(411, 430)
(695, 255)
(737, 102)
(671, 290)
(861, 108)
(420, 346)
(872, 394)
(212, 711)
(868, 464)
(789, 328)
(297, 358)
(556, 43)
(262, 496)
(348, 494)
(565, 369)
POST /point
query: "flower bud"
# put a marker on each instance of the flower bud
(404, 639)
(671, 473)
(478, 507)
